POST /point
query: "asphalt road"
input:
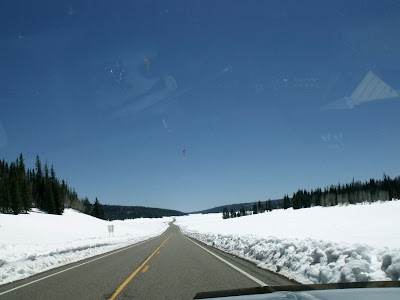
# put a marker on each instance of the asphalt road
(170, 266)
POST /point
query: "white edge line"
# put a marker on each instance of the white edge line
(229, 264)
(86, 262)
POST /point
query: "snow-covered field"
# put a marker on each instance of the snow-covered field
(312, 245)
(35, 242)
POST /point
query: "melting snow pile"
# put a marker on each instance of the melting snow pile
(313, 245)
(36, 242)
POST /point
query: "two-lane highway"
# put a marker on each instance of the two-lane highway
(170, 266)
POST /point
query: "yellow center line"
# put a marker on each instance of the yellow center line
(122, 286)
(145, 269)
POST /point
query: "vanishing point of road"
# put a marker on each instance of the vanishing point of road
(170, 266)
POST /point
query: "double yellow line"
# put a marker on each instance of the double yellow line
(123, 285)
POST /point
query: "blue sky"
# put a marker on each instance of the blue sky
(242, 86)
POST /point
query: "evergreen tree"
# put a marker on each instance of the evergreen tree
(16, 200)
(48, 197)
(225, 214)
(56, 190)
(268, 205)
(26, 196)
(48, 204)
(5, 197)
(21, 164)
(242, 211)
(255, 209)
(87, 206)
(97, 210)
(39, 184)
(260, 207)
(286, 202)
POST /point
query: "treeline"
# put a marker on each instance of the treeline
(257, 208)
(341, 194)
(118, 212)
(248, 206)
(95, 209)
(22, 189)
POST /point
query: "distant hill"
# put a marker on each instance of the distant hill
(118, 212)
(277, 203)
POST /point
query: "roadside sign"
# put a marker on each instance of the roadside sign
(110, 230)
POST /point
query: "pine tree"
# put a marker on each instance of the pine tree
(26, 196)
(5, 197)
(21, 164)
(260, 207)
(255, 209)
(16, 201)
(97, 210)
(286, 202)
(268, 205)
(48, 197)
(39, 184)
(2, 202)
(242, 211)
(87, 206)
(55, 186)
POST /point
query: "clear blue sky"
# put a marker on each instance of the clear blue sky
(112, 92)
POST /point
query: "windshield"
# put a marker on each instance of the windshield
(187, 106)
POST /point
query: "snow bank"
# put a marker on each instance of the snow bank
(36, 242)
(313, 245)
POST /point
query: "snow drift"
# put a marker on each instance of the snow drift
(36, 242)
(313, 245)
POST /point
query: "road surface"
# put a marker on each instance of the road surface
(170, 266)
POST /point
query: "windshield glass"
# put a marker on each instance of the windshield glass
(192, 105)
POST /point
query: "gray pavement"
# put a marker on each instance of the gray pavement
(170, 266)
